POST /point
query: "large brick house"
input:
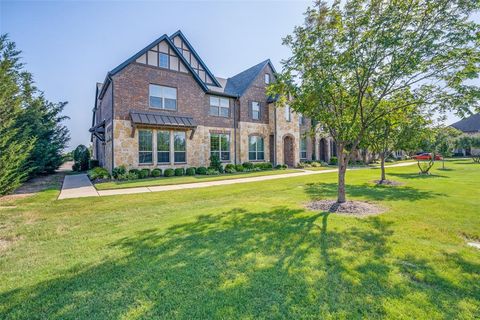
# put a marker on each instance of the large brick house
(164, 108)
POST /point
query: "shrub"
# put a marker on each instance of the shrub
(144, 173)
(156, 172)
(122, 176)
(201, 170)
(230, 168)
(333, 161)
(132, 175)
(190, 171)
(81, 156)
(135, 171)
(215, 163)
(212, 172)
(324, 164)
(179, 172)
(98, 173)
(316, 164)
(263, 165)
(279, 167)
(119, 171)
(301, 165)
(239, 168)
(169, 172)
(248, 166)
(76, 167)
(92, 163)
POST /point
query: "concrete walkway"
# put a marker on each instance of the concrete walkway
(79, 185)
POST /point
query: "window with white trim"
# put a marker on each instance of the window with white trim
(161, 97)
(219, 106)
(267, 78)
(164, 60)
(220, 145)
(303, 148)
(255, 110)
(145, 150)
(256, 148)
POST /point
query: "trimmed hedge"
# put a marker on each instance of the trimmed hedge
(248, 166)
(93, 163)
(179, 172)
(190, 171)
(98, 173)
(119, 171)
(157, 172)
(201, 170)
(144, 173)
(169, 173)
(263, 165)
(230, 168)
(239, 168)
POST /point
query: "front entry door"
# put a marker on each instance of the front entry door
(288, 156)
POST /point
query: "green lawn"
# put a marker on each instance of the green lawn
(248, 251)
(162, 181)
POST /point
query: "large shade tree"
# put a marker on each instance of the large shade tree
(350, 58)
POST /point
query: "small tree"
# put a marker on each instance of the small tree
(470, 142)
(81, 156)
(350, 58)
(445, 142)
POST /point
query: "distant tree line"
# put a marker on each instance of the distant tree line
(32, 136)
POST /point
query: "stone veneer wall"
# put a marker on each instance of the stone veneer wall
(284, 128)
(247, 129)
(198, 148)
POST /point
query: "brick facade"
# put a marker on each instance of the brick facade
(128, 90)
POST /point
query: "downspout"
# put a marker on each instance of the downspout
(275, 135)
(113, 116)
(237, 99)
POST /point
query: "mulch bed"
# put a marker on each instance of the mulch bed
(351, 208)
(388, 183)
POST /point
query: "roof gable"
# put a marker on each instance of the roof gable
(239, 83)
(183, 45)
(470, 124)
(140, 53)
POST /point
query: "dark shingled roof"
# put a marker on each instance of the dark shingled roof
(239, 83)
(164, 120)
(470, 124)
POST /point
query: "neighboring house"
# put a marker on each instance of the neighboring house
(163, 107)
(470, 126)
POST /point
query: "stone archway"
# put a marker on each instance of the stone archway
(288, 151)
(323, 150)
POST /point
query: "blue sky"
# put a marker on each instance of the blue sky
(69, 46)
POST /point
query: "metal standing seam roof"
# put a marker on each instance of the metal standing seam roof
(157, 119)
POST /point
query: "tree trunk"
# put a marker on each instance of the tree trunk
(342, 168)
(443, 164)
(382, 166)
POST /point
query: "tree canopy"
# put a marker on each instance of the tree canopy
(357, 61)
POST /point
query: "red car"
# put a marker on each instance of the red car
(427, 156)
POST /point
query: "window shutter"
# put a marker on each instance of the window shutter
(250, 109)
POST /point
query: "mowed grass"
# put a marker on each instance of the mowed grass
(249, 251)
(163, 181)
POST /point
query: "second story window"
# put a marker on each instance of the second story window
(267, 78)
(161, 97)
(255, 110)
(219, 106)
(288, 113)
(301, 119)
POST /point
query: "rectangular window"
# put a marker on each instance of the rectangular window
(180, 146)
(267, 78)
(255, 110)
(145, 150)
(164, 60)
(161, 97)
(220, 146)
(288, 113)
(303, 148)
(255, 148)
(301, 120)
(219, 106)
(163, 146)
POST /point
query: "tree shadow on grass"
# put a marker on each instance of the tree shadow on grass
(418, 176)
(281, 263)
(371, 192)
